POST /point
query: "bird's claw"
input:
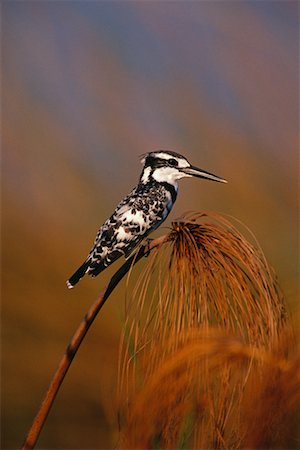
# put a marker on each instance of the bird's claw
(147, 247)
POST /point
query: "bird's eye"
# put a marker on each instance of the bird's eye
(173, 162)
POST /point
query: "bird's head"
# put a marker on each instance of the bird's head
(165, 166)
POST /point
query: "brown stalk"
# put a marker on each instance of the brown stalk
(78, 337)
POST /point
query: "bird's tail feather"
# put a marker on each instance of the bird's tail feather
(99, 265)
(78, 275)
(94, 271)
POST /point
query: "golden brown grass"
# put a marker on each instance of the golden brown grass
(204, 360)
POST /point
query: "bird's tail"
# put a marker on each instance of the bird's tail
(78, 275)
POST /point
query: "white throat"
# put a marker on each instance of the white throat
(168, 175)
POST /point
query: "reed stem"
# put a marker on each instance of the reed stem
(77, 339)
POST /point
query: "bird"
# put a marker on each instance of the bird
(141, 212)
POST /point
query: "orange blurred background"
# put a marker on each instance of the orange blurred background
(88, 87)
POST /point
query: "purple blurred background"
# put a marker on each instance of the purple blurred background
(88, 87)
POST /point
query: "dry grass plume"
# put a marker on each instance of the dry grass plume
(207, 359)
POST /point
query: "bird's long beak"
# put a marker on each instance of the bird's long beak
(195, 172)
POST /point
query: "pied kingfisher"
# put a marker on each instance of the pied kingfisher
(141, 212)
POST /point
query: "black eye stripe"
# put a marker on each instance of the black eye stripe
(173, 162)
(150, 161)
(160, 162)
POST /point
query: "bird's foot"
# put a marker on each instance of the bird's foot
(147, 247)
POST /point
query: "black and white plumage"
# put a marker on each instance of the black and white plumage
(141, 212)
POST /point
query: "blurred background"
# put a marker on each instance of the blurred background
(88, 87)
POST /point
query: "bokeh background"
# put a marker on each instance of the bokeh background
(87, 87)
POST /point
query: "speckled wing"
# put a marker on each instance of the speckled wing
(140, 213)
(133, 220)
